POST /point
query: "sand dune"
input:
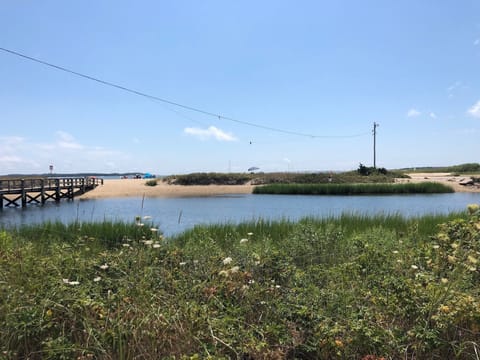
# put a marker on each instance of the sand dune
(137, 187)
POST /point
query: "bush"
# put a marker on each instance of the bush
(152, 182)
(209, 179)
(366, 171)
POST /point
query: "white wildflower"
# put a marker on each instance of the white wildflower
(472, 259)
(227, 260)
(414, 267)
(126, 245)
(153, 230)
(436, 246)
(65, 281)
(223, 273)
(73, 282)
(250, 233)
(104, 267)
(97, 279)
(243, 241)
(148, 242)
(183, 263)
(234, 269)
(156, 246)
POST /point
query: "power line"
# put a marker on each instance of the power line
(187, 107)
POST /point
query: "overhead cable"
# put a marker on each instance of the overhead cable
(187, 107)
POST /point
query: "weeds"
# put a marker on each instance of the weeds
(349, 287)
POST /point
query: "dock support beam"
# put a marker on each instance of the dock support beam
(24, 194)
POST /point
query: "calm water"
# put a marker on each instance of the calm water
(178, 214)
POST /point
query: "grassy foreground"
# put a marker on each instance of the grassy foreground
(354, 287)
(353, 189)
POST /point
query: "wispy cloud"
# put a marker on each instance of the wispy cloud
(452, 89)
(475, 110)
(67, 141)
(209, 133)
(20, 154)
(432, 115)
(413, 113)
(476, 42)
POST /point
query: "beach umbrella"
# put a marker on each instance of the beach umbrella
(253, 168)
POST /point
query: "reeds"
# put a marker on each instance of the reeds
(353, 189)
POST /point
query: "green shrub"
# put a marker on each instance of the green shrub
(152, 182)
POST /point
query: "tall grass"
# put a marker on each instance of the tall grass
(467, 168)
(353, 189)
(107, 234)
(349, 287)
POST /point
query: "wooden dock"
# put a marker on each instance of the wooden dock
(20, 192)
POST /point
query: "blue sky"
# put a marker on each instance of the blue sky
(328, 69)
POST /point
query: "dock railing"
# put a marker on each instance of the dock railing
(20, 192)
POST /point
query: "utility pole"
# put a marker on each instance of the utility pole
(375, 125)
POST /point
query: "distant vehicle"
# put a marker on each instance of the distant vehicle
(148, 176)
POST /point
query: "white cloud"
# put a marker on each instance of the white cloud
(21, 155)
(67, 141)
(476, 42)
(432, 115)
(413, 113)
(10, 159)
(475, 110)
(452, 89)
(211, 132)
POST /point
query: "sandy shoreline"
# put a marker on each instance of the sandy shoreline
(444, 178)
(137, 187)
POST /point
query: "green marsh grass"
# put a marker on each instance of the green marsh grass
(350, 287)
(353, 189)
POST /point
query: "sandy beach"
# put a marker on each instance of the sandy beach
(444, 178)
(137, 187)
